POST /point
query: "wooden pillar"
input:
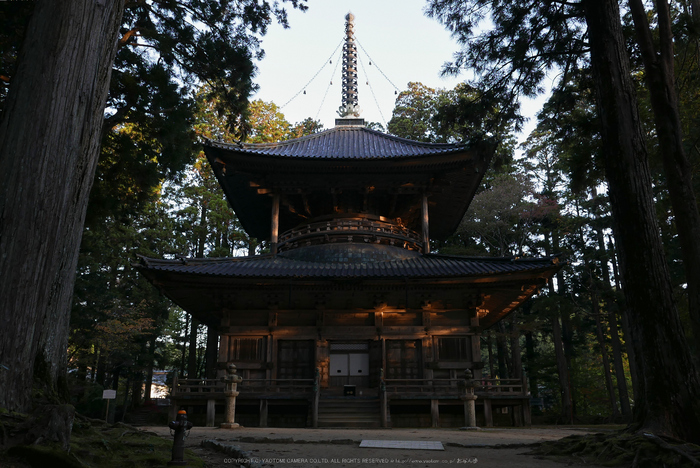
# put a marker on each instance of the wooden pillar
(316, 398)
(517, 415)
(274, 231)
(527, 416)
(211, 412)
(435, 413)
(383, 400)
(174, 408)
(488, 413)
(426, 237)
(263, 414)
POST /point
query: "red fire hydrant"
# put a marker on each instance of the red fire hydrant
(181, 427)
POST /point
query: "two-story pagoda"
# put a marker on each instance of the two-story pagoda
(351, 319)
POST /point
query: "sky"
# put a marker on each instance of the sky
(400, 40)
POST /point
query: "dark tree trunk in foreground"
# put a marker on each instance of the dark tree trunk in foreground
(669, 392)
(515, 351)
(630, 344)
(567, 410)
(604, 355)
(502, 351)
(660, 76)
(609, 295)
(192, 352)
(49, 145)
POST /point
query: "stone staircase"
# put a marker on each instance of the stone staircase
(348, 412)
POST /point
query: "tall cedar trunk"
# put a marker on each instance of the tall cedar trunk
(212, 353)
(148, 383)
(101, 372)
(492, 368)
(660, 76)
(618, 364)
(530, 355)
(49, 145)
(668, 399)
(531, 374)
(502, 351)
(567, 339)
(567, 414)
(604, 355)
(630, 344)
(612, 321)
(516, 355)
(563, 364)
(192, 353)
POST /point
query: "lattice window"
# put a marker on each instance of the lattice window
(246, 349)
(454, 349)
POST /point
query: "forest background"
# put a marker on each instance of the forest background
(153, 195)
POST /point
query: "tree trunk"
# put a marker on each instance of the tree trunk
(604, 355)
(516, 355)
(630, 344)
(502, 351)
(530, 354)
(567, 415)
(612, 305)
(148, 384)
(670, 390)
(192, 354)
(489, 341)
(660, 76)
(560, 346)
(49, 145)
(618, 364)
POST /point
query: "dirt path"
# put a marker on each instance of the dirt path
(340, 448)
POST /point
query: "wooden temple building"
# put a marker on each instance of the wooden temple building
(351, 319)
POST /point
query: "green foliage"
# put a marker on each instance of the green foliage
(511, 46)
(458, 115)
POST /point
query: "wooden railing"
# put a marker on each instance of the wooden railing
(359, 229)
(190, 386)
(443, 386)
(506, 386)
(454, 386)
(277, 385)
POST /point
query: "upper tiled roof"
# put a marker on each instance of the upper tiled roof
(344, 143)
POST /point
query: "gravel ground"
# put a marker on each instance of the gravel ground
(340, 448)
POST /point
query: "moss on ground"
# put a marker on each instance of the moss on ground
(93, 444)
(621, 449)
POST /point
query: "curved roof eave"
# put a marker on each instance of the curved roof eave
(343, 143)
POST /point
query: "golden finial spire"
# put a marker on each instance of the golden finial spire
(350, 107)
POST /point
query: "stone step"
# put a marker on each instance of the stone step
(349, 413)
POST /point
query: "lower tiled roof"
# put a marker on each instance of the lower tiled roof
(279, 266)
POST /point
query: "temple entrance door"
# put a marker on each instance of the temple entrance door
(403, 359)
(349, 364)
(295, 359)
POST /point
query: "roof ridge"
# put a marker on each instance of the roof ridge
(282, 143)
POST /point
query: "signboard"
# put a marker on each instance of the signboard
(109, 394)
